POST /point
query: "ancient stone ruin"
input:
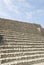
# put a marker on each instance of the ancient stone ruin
(21, 43)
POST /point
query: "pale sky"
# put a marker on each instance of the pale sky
(31, 11)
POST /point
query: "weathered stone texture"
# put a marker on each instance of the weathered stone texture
(21, 43)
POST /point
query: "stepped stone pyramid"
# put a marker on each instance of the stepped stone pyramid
(21, 43)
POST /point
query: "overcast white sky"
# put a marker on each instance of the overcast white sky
(31, 11)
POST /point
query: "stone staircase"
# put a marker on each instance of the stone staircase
(21, 45)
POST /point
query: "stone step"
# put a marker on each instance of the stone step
(21, 50)
(21, 46)
(23, 40)
(24, 52)
(7, 49)
(30, 41)
(20, 54)
(23, 37)
(23, 57)
(30, 61)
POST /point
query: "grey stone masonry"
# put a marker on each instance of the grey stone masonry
(21, 43)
